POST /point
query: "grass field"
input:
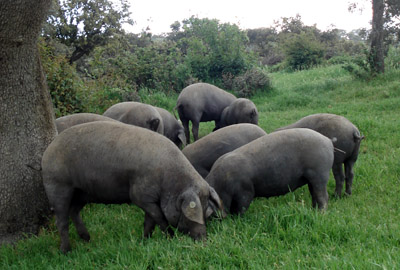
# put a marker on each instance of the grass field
(361, 231)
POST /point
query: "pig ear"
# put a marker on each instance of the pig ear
(182, 138)
(216, 204)
(191, 207)
(154, 123)
(253, 113)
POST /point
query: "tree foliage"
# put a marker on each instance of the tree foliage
(303, 51)
(385, 31)
(62, 80)
(196, 49)
(86, 24)
(212, 49)
(292, 44)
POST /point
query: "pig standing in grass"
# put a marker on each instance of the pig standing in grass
(107, 162)
(346, 138)
(274, 165)
(68, 121)
(201, 102)
(204, 152)
(242, 110)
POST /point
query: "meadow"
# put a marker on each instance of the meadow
(361, 231)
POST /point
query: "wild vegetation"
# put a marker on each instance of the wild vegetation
(356, 232)
(88, 70)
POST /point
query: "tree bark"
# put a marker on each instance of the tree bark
(377, 50)
(26, 119)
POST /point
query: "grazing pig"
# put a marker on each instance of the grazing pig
(107, 162)
(345, 137)
(204, 152)
(173, 130)
(274, 165)
(201, 102)
(68, 121)
(242, 110)
(137, 114)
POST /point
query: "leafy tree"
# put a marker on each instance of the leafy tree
(26, 119)
(303, 51)
(86, 24)
(294, 25)
(385, 30)
(212, 49)
(264, 41)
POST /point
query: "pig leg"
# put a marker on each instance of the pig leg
(348, 167)
(338, 173)
(60, 199)
(319, 196)
(242, 193)
(313, 199)
(241, 202)
(226, 200)
(153, 213)
(154, 216)
(149, 225)
(317, 183)
(185, 124)
(77, 220)
(195, 129)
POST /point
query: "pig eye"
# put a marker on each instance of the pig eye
(192, 204)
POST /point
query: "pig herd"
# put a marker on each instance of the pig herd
(132, 154)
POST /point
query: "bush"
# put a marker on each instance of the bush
(64, 84)
(104, 92)
(340, 60)
(247, 84)
(360, 67)
(211, 49)
(393, 58)
(303, 51)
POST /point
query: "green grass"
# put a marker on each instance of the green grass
(361, 231)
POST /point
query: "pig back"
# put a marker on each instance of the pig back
(204, 152)
(286, 146)
(68, 121)
(276, 161)
(110, 154)
(206, 99)
(339, 129)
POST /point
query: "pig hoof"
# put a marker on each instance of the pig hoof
(85, 236)
(170, 232)
(197, 236)
(65, 249)
(337, 194)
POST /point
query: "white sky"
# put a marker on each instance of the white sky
(158, 15)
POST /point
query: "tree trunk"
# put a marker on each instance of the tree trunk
(26, 119)
(376, 51)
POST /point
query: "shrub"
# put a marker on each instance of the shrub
(211, 49)
(106, 91)
(246, 85)
(359, 67)
(393, 58)
(303, 51)
(64, 84)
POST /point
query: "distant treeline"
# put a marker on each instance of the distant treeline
(91, 64)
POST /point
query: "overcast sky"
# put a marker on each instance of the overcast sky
(158, 15)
